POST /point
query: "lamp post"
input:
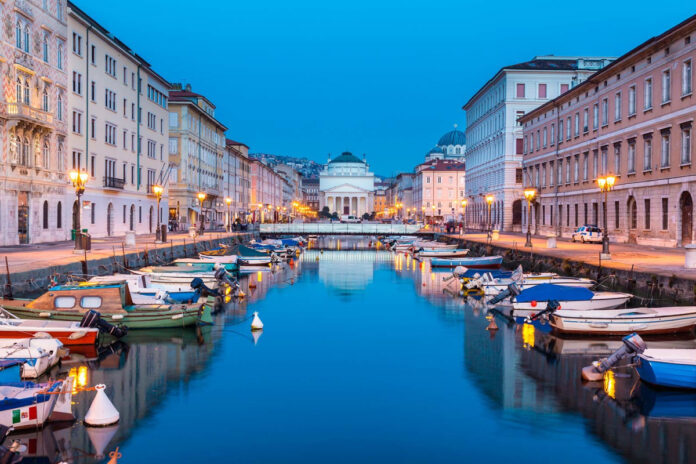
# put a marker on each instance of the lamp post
(605, 184)
(79, 180)
(423, 214)
(158, 190)
(489, 200)
(529, 194)
(464, 203)
(228, 200)
(201, 199)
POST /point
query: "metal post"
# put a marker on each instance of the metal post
(489, 221)
(605, 239)
(529, 224)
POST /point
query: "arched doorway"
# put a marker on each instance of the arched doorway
(517, 212)
(686, 209)
(110, 220)
(632, 212)
(132, 217)
(151, 213)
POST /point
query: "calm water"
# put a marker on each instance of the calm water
(365, 358)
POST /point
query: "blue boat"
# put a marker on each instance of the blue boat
(674, 368)
(482, 262)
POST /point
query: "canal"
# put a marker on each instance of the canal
(365, 357)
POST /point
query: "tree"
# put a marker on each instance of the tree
(324, 213)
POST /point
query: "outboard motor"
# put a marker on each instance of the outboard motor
(202, 290)
(632, 345)
(551, 306)
(510, 291)
(93, 319)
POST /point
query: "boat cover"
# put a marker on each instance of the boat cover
(546, 292)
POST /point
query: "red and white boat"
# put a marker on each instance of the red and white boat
(67, 332)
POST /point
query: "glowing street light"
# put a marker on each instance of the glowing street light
(605, 184)
(79, 181)
(464, 203)
(158, 190)
(529, 195)
(201, 198)
(228, 200)
(489, 200)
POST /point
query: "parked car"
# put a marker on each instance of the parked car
(350, 219)
(587, 233)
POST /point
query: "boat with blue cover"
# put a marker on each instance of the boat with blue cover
(242, 255)
(667, 367)
(535, 299)
(482, 262)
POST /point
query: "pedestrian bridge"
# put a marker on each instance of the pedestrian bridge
(326, 228)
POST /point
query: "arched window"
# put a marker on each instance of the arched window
(19, 89)
(44, 102)
(59, 216)
(24, 159)
(632, 213)
(26, 38)
(59, 56)
(61, 163)
(45, 215)
(46, 154)
(18, 35)
(45, 48)
(59, 108)
(26, 91)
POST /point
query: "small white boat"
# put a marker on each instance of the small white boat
(25, 405)
(535, 299)
(625, 321)
(37, 354)
(440, 252)
(668, 367)
(494, 285)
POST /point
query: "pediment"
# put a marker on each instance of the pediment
(346, 188)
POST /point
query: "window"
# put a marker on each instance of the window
(93, 55)
(77, 82)
(552, 137)
(59, 54)
(664, 149)
(632, 100)
(564, 88)
(631, 168)
(568, 170)
(77, 122)
(576, 214)
(577, 124)
(92, 210)
(45, 215)
(568, 129)
(77, 43)
(26, 38)
(616, 215)
(45, 48)
(648, 94)
(665, 213)
(93, 91)
(686, 77)
(18, 35)
(90, 302)
(520, 91)
(110, 65)
(585, 120)
(666, 86)
(92, 127)
(110, 134)
(686, 144)
(595, 164)
(617, 159)
(542, 90)
(647, 213)
(617, 106)
(576, 169)
(110, 99)
(595, 116)
(605, 112)
(544, 138)
(647, 154)
(518, 146)
(605, 161)
(560, 130)
(585, 167)
(585, 211)
(59, 108)
(59, 9)
(64, 302)
(44, 101)
(152, 151)
(124, 214)
(551, 171)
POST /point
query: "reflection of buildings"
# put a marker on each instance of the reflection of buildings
(346, 271)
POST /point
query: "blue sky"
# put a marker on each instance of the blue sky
(385, 78)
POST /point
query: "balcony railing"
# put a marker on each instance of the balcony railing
(114, 183)
(27, 113)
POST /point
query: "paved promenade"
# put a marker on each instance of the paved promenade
(650, 259)
(43, 255)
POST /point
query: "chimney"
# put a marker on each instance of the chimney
(188, 87)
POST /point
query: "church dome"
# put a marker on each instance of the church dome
(436, 151)
(455, 137)
(346, 157)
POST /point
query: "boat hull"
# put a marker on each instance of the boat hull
(28, 412)
(622, 322)
(667, 373)
(81, 336)
(485, 262)
(598, 302)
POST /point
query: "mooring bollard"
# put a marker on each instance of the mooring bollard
(551, 242)
(690, 257)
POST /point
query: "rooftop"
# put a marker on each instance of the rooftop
(346, 157)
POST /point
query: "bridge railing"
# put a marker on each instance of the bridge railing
(325, 228)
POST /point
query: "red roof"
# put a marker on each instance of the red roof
(232, 142)
(443, 165)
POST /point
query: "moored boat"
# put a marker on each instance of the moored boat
(482, 262)
(668, 367)
(535, 298)
(37, 355)
(26, 405)
(625, 321)
(67, 332)
(440, 252)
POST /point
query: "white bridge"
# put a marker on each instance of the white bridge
(326, 228)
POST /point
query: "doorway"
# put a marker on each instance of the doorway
(686, 207)
(110, 220)
(23, 217)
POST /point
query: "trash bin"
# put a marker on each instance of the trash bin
(163, 233)
(72, 234)
(85, 241)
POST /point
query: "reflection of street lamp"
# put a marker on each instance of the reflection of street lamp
(464, 203)
(79, 180)
(489, 200)
(529, 194)
(228, 200)
(201, 199)
(605, 184)
(158, 190)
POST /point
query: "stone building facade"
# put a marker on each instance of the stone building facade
(347, 186)
(633, 119)
(439, 186)
(35, 198)
(236, 179)
(266, 192)
(494, 137)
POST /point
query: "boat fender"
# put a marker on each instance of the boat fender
(632, 345)
(77, 335)
(45, 314)
(42, 335)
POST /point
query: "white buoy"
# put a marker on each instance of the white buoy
(101, 437)
(101, 412)
(255, 335)
(256, 323)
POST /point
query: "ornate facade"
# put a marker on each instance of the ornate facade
(347, 186)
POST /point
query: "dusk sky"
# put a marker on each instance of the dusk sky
(385, 78)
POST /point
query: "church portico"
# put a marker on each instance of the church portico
(346, 186)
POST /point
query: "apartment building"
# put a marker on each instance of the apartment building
(35, 199)
(197, 151)
(236, 180)
(439, 186)
(266, 192)
(633, 119)
(494, 137)
(117, 113)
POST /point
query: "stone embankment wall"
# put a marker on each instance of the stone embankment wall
(31, 283)
(652, 289)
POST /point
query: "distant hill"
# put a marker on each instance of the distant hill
(304, 166)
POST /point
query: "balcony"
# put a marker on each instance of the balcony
(28, 114)
(114, 183)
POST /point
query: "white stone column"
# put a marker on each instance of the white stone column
(354, 205)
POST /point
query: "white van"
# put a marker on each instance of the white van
(350, 219)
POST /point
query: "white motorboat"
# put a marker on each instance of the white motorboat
(37, 354)
(494, 285)
(625, 321)
(28, 405)
(596, 301)
(440, 253)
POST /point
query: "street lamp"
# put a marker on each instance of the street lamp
(158, 190)
(489, 200)
(79, 180)
(201, 199)
(605, 184)
(529, 194)
(228, 200)
(464, 203)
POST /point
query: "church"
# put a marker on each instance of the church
(346, 186)
(451, 146)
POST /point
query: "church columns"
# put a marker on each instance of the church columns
(354, 206)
